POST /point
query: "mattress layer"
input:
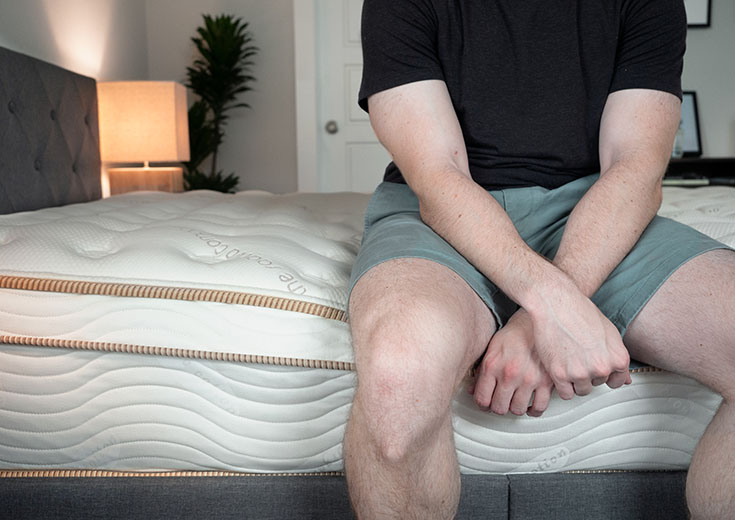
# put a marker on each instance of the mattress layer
(63, 409)
(288, 246)
(179, 326)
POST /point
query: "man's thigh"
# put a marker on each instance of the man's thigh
(663, 248)
(394, 230)
(688, 325)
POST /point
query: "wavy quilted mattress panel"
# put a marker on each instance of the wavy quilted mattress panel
(63, 408)
(68, 409)
(202, 331)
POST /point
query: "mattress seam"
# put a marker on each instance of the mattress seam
(73, 473)
(126, 348)
(171, 293)
(96, 473)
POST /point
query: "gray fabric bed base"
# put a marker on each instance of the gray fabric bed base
(567, 496)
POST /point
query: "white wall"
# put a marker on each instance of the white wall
(139, 39)
(709, 69)
(260, 143)
(105, 39)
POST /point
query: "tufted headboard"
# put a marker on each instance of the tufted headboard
(49, 137)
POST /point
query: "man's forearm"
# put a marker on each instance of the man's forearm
(472, 221)
(636, 134)
(606, 224)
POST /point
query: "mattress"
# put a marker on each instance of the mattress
(204, 332)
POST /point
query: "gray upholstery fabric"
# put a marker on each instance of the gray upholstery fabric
(608, 496)
(624, 496)
(49, 136)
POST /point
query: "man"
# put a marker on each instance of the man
(498, 114)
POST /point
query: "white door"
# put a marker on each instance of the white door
(349, 156)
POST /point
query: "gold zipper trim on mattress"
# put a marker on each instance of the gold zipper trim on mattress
(172, 293)
(97, 473)
(643, 370)
(175, 352)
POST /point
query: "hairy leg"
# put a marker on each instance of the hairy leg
(417, 327)
(688, 327)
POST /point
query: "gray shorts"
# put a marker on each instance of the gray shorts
(394, 229)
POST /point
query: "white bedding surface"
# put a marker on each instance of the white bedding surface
(299, 245)
(98, 406)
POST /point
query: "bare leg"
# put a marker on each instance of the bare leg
(688, 327)
(417, 328)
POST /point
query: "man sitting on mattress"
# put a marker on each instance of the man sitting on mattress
(517, 227)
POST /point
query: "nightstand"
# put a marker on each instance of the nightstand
(697, 171)
(123, 180)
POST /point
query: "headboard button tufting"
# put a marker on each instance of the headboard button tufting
(53, 115)
(11, 107)
(86, 120)
(37, 165)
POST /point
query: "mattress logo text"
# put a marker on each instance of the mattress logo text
(224, 250)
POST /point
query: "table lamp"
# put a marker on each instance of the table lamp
(143, 121)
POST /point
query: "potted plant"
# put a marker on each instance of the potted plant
(218, 77)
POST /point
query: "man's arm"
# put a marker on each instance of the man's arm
(636, 136)
(417, 124)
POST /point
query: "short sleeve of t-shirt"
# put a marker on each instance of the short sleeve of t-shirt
(399, 45)
(651, 47)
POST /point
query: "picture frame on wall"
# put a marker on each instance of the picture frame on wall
(698, 12)
(692, 142)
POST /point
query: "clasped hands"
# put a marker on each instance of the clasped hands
(571, 346)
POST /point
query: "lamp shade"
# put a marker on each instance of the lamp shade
(143, 121)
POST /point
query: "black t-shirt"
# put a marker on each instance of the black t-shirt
(528, 78)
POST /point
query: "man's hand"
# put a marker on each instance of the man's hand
(579, 347)
(511, 373)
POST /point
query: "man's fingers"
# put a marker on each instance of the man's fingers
(541, 398)
(618, 379)
(521, 400)
(484, 388)
(599, 381)
(564, 389)
(582, 387)
(501, 398)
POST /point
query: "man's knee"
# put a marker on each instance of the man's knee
(403, 394)
(408, 368)
(419, 309)
(416, 327)
(398, 416)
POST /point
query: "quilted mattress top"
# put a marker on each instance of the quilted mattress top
(298, 246)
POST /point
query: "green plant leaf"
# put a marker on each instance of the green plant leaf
(218, 77)
(196, 180)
